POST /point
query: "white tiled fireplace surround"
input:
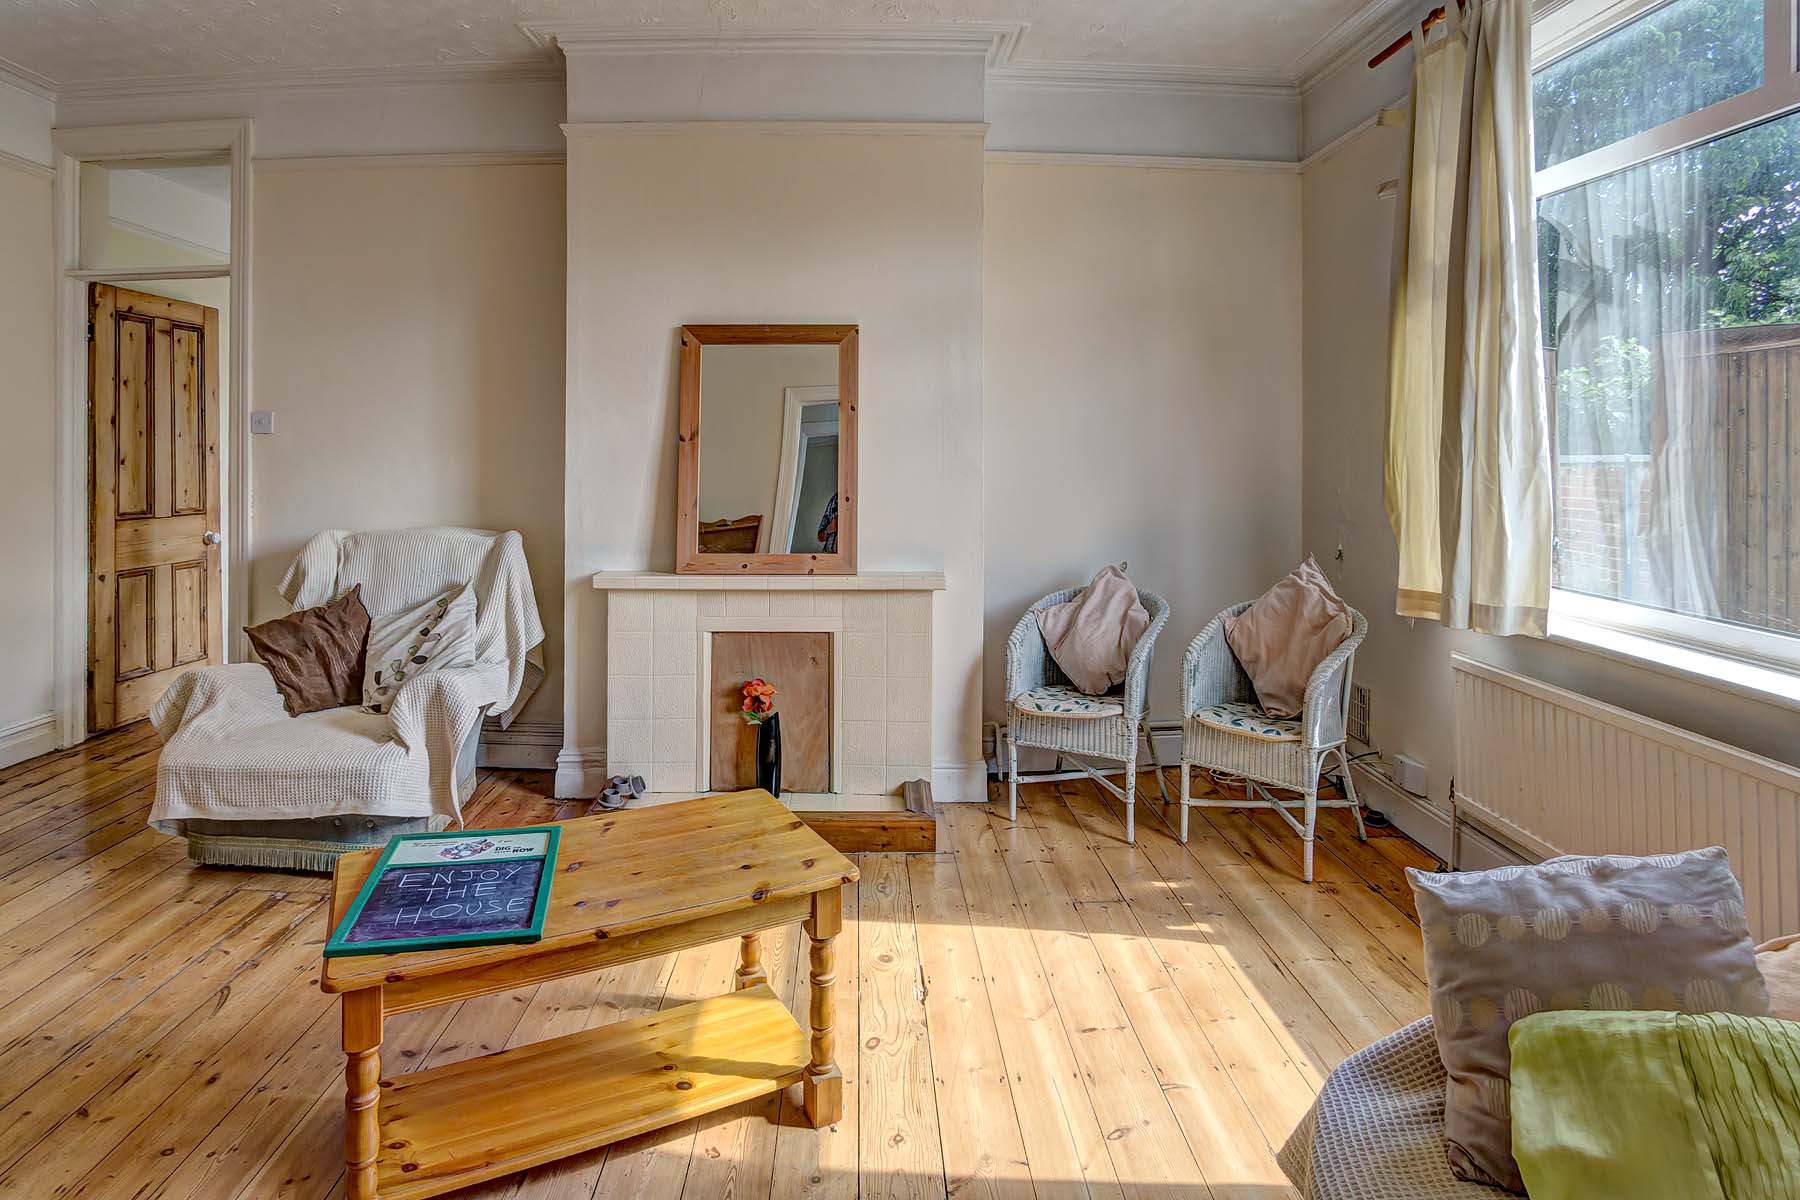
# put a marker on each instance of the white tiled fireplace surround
(658, 663)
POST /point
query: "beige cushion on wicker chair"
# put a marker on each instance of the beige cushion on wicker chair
(1091, 637)
(1286, 634)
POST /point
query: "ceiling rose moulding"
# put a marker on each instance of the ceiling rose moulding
(994, 42)
(335, 79)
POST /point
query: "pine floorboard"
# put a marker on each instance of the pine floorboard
(1035, 1010)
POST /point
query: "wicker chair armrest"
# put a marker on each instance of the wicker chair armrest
(1210, 673)
(1323, 721)
(1137, 667)
(1028, 662)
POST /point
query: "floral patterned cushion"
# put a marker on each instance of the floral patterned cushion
(1061, 700)
(1240, 716)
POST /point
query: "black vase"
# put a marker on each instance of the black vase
(768, 754)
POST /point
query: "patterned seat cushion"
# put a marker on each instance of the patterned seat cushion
(1240, 716)
(1061, 700)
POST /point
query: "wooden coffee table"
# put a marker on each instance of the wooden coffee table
(629, 885)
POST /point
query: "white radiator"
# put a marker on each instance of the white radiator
(1553, 772)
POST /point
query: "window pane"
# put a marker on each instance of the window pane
(1672, 61)
(1672, 325)
(137, 215)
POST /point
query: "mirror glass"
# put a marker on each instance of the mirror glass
(768, 449)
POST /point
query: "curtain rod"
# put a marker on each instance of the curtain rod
(1405, 39)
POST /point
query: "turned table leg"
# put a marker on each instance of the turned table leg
(823, 1089)
(750, 970)
(362, 1092)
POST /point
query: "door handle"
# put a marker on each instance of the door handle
(211, 537)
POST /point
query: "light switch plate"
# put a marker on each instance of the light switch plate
(262, 421)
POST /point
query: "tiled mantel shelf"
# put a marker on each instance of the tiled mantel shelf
(865, 581)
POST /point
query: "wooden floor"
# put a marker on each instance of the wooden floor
(1036, 1009)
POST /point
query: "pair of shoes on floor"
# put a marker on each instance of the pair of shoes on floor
(620, 790)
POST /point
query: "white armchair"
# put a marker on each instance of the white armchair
(1225, 729)
(1046, 710)
(248, 785)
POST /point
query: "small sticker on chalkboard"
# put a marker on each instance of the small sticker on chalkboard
(436, 891)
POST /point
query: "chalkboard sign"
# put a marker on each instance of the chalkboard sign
(431, 891)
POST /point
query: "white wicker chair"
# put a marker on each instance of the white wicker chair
(1103, 727)
(1224, 729)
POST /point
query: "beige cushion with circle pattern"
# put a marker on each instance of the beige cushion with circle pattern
(1611, 933)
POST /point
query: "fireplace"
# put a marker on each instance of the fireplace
(855, 651)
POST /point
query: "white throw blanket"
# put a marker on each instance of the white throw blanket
(232, 753)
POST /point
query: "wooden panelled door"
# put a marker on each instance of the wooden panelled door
(154, 596)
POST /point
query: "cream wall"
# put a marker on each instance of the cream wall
(27, 453)
(1143, 392)
(697, 224)
(1348, 243)
(409, 339)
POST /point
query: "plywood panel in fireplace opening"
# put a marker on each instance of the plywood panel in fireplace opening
(799, 665)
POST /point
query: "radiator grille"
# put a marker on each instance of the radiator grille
(1553, 772)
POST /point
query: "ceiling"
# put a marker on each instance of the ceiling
(88, 41)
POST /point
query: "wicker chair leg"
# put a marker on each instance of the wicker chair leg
(1362, 835)
(1186, 769)
(1131, 801)
(1312, 820)
(1012, 778)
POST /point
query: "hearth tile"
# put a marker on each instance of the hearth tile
(865, 781)
(908, 742)
(865, 743)
(630, 612)
(908, 654)
(865, 613)
(790, 604)
(673, 742)
(675, 697)
(909, 612)
(865, 698)
(629, 653)
(712, 604)
(676, 654)
(628, 743)
(908, 697)
(865, 654)
(676, 777)
(828, 604)
(628, 697)
(676, 612)
(901, 775)
(746, 604)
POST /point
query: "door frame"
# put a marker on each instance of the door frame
(113, 143)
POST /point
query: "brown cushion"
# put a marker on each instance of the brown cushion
(1092, 636)
(1605, 934)
(316, 654)
(1283, 637)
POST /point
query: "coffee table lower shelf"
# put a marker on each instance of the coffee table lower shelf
(454, 1126)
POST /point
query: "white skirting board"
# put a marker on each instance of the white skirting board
(27, 739)
(1426, 823)
(580, 772)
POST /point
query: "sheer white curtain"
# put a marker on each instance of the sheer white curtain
(1468, 456)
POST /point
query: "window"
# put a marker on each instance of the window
(1669, 252)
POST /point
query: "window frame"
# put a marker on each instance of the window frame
(1560, 28)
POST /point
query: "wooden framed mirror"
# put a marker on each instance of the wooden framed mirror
(767, 462)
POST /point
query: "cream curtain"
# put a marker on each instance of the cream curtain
(1468, 454)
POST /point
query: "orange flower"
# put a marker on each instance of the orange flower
(759, 699)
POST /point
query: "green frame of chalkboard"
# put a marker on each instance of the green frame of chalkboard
(338, 947)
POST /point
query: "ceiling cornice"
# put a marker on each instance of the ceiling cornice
(27, 80)
(1375, 20)
(994, 42)
(1128, 77)
(320, 80)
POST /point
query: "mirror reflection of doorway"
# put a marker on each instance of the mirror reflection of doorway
(805, 515)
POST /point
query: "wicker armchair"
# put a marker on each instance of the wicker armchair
(1047, 712)
(1223, 728)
